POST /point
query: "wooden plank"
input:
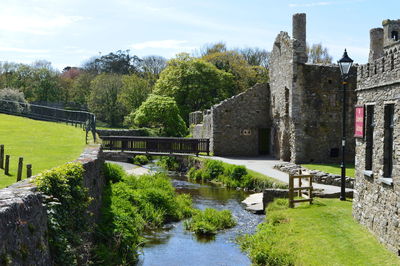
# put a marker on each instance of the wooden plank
(302, 176)
(301, 188)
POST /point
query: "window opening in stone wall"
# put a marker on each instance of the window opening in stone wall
(383, 64)
(369, 137)
(395, 35)
(375, 71)
(335, 152)
(286, 101)
(388, 141)
(367, 70)
(392, 62)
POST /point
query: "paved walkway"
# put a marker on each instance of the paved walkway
(265, 164)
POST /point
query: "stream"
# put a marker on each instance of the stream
(173, 245)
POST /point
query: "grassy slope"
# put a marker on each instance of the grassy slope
(42, 144)
(326, 234)
(331, 168)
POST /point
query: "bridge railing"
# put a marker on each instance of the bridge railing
(156, 144)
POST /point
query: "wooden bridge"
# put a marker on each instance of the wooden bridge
(156, 145)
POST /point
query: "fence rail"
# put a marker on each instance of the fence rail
(156, 144)
(41, 112)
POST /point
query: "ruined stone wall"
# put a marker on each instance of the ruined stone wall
(377, 199)
(23, 218)
(236, 122)
(281, 84)
(318, 121)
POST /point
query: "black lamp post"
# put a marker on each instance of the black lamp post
(345, 64)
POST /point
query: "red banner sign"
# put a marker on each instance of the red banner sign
(359, 122)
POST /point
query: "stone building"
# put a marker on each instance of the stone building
(239, 125)
(377, 198)
(301, 109)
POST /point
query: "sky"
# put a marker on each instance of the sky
(69, 32)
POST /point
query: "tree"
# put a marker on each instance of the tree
(255, 56)
(103, 100)
(134, 92)
(318, 54)
(160, 112)
(120, 62)
(232, 62)
(193, 83)
(12, 100)
(80, 90)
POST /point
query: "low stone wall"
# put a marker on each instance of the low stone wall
(319, 176)
(23, 218)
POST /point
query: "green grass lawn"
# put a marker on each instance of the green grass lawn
(324, 233)
(42, 144)
(331, 168)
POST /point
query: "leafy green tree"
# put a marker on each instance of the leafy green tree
(80, 90)
(134, 92)
(120, 62)
(318, 54)
(103, 99)
(194, 84)
(160, 112)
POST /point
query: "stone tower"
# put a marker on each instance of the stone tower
(299, 35)
(376, 44)
(391, 31)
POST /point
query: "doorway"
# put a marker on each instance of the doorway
(264, 135)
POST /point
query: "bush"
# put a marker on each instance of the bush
(169, 162)
(113, 172)
(13, 101)
(235, 172)
(214, 168)
(140, 159)
(209, 221)
(66, 210)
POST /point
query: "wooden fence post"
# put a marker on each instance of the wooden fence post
(2, 156)
(28, 170)
(291, 185)
(7, 166)
(20, 164)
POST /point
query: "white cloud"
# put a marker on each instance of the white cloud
(35, 24)
(311, 4)
(22, 50)
(163, 44)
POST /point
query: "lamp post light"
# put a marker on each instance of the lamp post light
(344, 64)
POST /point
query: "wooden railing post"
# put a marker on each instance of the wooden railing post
(291, 196)
(7, 166)
(2, 156)
(19, 172)
(28, 170)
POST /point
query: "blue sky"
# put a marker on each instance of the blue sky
(68, 32)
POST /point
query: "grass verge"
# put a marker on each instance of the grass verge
(331, 168)
(320, 234)
(42, 144)
(232, 175)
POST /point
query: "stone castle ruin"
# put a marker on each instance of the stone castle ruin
(377, 198)
(296, 117)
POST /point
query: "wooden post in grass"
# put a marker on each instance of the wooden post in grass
(28, 170)
(20, 164)
(7, 166)
(1, 156)
(291, 196)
